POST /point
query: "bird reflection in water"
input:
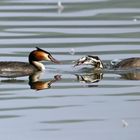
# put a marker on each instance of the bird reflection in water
(34, 81)
(95, 76)
(37, 84)
(135, 75)
(90, 77)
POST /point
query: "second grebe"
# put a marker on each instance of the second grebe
(128, 63)
(16, 68)
(97, 63)
(90, 60)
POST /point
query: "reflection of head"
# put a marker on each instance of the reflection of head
(131, 75)
(36, 84)
(40, 85)
(90, 78)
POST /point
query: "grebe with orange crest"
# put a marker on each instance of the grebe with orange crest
(16, 68)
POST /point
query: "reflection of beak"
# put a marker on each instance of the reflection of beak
(40, 85)
(54, 60)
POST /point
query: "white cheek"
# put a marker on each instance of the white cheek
(46, 57)
(82, 59)
(87, 62)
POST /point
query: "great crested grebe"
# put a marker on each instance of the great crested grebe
(90, 60)
(97, 63)
(16, 68)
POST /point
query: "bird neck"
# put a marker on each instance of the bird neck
(38, 65)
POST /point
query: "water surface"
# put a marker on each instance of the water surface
(69, 107)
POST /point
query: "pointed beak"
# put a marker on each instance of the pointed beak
(77, 63)
(54, 60)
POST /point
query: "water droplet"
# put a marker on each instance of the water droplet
(72, 51)
(124, 123)
(60, 6)
(135, 20)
